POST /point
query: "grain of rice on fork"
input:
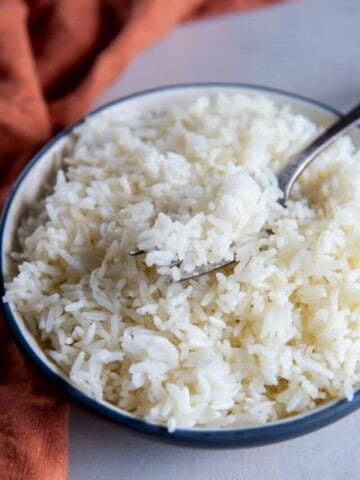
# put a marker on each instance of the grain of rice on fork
(275, 335)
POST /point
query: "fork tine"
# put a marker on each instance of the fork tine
(175, 263)
(198, 272)
(205, 269)
(136, 252)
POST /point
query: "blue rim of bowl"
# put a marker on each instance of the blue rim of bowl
(236, 437)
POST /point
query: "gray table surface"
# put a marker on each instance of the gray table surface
(310, 47)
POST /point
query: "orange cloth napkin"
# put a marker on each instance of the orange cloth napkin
(55, 57)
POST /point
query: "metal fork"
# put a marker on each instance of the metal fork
(286, 180)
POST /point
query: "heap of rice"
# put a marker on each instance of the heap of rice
(274, 335)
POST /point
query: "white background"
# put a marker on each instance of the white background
(310, 47)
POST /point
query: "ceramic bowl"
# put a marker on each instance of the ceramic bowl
(27, 189)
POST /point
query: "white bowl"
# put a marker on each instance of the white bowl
(26, 191)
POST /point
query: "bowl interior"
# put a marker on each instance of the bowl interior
(29, 187)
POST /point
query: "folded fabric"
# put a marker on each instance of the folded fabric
(55, 57)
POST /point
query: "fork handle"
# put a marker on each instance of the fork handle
(294, 169)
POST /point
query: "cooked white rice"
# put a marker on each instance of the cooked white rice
(274, 335)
